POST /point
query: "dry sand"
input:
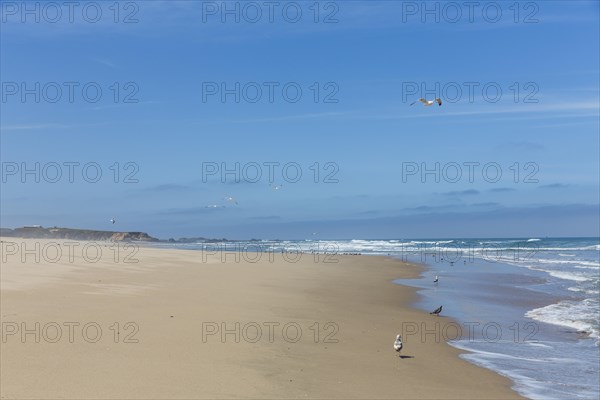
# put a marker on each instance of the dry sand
(174, 299)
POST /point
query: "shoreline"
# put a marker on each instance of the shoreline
(504, 295)
(181, 305)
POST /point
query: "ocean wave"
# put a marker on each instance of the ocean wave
(492, 248)
(570, 276)
(583, 290)
(538, 344)
(579, 315)
(592, 247)
(595, 267)
(511, 251)
(594, 264)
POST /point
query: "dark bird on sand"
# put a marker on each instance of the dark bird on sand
(437, 311)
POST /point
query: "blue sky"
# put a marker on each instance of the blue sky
(360, 128)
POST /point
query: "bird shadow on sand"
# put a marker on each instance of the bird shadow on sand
(403, 357)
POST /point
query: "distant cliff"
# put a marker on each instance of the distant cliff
(38, 232)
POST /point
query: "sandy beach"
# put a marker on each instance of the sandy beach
(160, 323)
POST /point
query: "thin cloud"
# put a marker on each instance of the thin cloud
(192, 211)
(124, 105)
(167, 187)
(524, 146)
(356, 196)
(29, 127)
(468, 192)
(502, 190)
(293, 117)
(42, 126)
(540, 111)
(486, 204)
(533, 108)
(105, 62)
(423, 208)
(370, 212)
(554, 186)
(430, 209)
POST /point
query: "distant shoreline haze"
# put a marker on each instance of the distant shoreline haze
(40, 232)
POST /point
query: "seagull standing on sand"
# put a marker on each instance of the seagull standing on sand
(428, 102)
(437, 311)
(398, 343)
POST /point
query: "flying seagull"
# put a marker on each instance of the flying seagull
(428, 102)
(231, 200)
(276, 187)
(437, 311)
(398, 343)
(436, 279)
(113, 220)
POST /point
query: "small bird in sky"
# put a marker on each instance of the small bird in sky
(276, 187)
(231, 200)
(428, 102)
(113, 220)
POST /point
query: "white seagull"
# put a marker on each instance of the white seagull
(214, 206)
(436, 279)
(276, 187)
(113, 220)
(231, 200)
(398, 344)
(428, 102)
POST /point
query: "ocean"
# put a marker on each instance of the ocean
(526, 308)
